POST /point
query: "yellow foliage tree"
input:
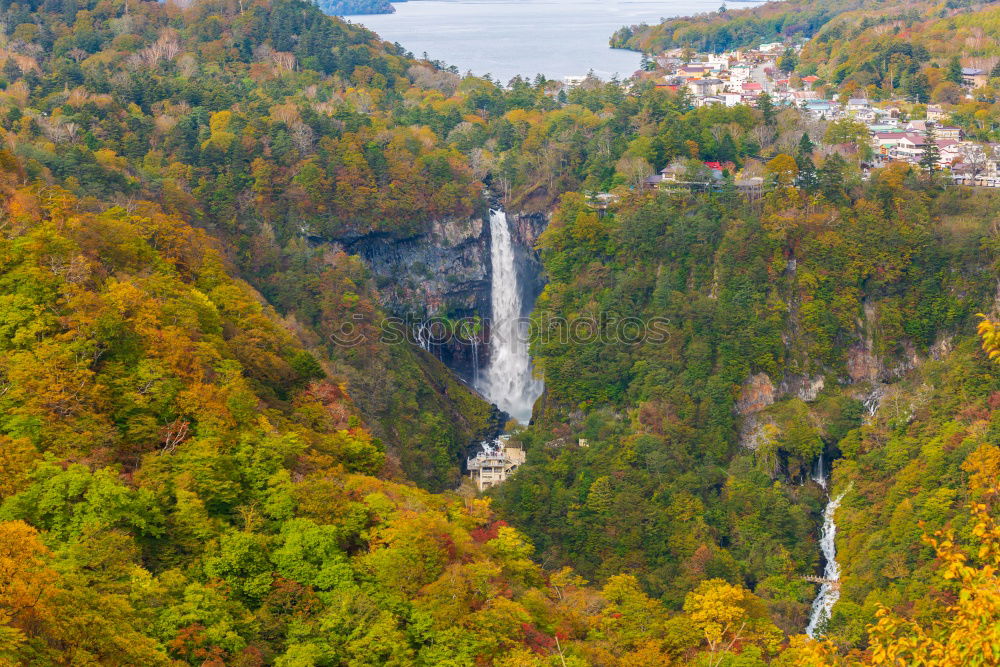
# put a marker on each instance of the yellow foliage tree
(990, 333)
(27, 584)
(783, 168)
(968, 630)
(729, 616)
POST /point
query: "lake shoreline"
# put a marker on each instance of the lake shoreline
(507, 38)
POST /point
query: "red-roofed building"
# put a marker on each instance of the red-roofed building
(808, 81)
(718, 167)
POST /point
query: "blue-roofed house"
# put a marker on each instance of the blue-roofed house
(974, 77)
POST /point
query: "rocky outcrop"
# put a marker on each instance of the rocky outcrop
(870, 378)
(862, 364)
(527, 227)
(756, 394)
(759, 393)
(802, 387)
(942, 347)
(754, 432)
(444, 271)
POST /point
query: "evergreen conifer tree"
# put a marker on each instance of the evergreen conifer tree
(932, 154)
(954, 73)
(807, 178)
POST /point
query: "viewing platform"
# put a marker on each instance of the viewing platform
(494, 463)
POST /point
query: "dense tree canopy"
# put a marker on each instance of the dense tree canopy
(192, 470)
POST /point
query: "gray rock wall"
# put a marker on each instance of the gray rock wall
(446, 272)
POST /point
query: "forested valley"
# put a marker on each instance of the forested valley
(195, 470)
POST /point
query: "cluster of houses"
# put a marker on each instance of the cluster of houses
(741, 77)
(895, 140)
(734, 77)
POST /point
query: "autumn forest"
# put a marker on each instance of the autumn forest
(196, 200)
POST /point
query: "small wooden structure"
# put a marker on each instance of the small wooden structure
(834, 583)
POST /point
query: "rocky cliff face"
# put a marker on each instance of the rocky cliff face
(443, 272)
(526, 228)
(446, 273)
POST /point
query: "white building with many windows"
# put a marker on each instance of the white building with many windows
(495, 463)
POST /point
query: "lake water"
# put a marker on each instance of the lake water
(504, 38)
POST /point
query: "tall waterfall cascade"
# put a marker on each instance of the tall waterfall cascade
(508, 379)
(829, 590)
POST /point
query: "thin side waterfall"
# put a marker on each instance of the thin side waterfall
(475, 360)
(423, 337)
(508, 380)
(819, 476)
(829, 590)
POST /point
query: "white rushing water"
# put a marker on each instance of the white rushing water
(829, 591)
(819, 476)
(508, 380)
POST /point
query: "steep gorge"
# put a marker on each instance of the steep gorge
(435, 281)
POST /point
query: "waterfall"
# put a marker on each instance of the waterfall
(872, 401)
(819, 476)
(829, 590)
(423, 336)
(507, 379)
(475, 360)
